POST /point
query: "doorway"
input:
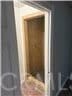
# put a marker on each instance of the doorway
(34, 30)
(34, 49)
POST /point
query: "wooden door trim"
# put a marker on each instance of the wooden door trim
(33, 15)
(25, 30)
(25, 37)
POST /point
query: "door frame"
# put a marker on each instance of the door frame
(47, 42)
(25, 30)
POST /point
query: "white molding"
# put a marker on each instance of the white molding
(0, 48)
(36, 5)
(47, 42)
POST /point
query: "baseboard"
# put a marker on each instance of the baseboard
(62, 86)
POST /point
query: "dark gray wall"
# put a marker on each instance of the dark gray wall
(71, 43)
(61, 43)
(9, 49)
(61, 40)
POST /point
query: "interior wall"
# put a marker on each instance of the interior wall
(71, 42)
(61, 40)
(60, 44)
(5, 53)
(9, 53)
